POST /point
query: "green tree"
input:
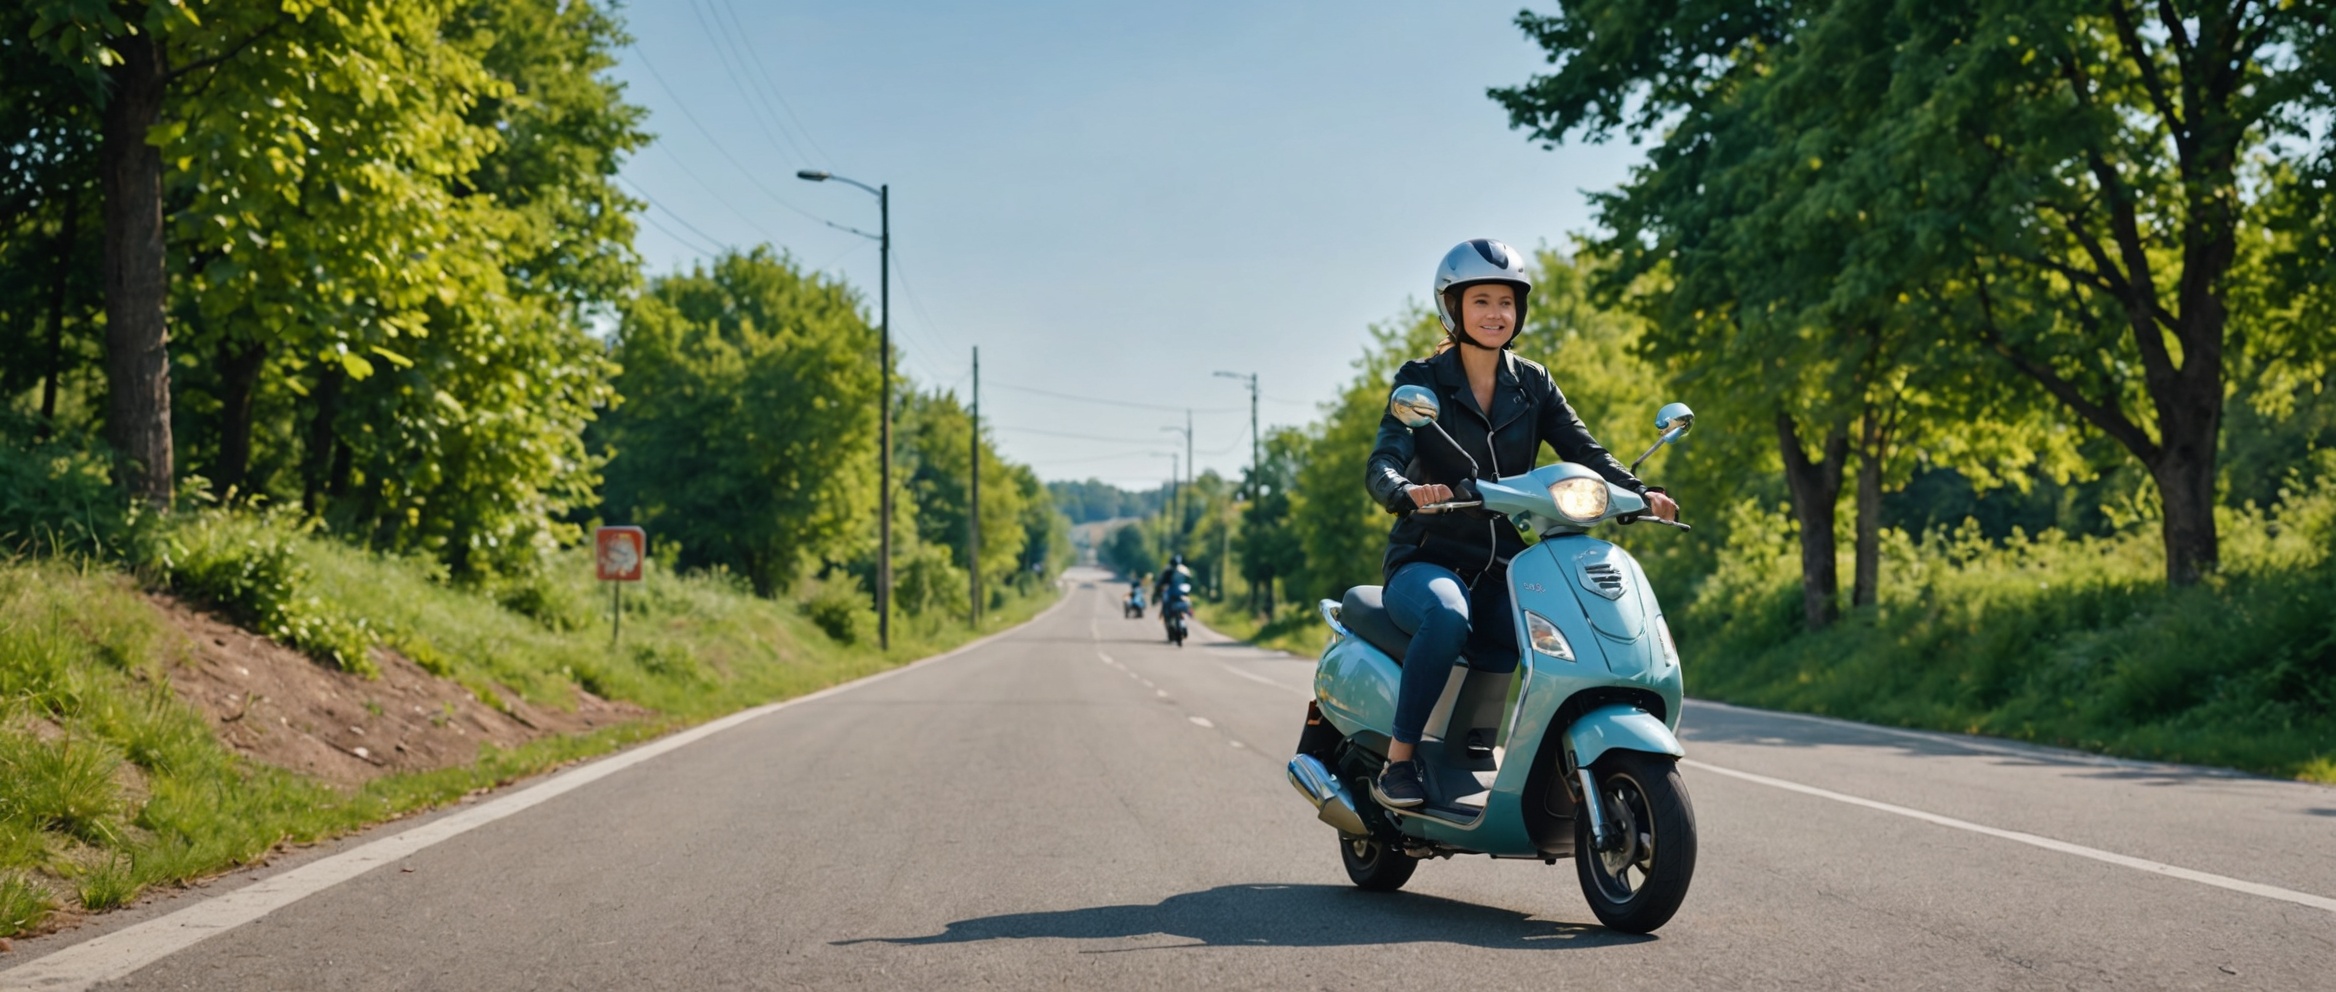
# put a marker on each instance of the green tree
(1268, 548)
(1343, 533)
(935, 435)
(746, 435)
(2069, 180)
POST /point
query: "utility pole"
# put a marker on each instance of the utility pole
(883, 240)
(1256, 460)
(1175, 495)
(1255, 444)
(1176, 530)
(973, 518)
(884, 397)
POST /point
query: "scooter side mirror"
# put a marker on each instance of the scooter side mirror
(1414, 406)
(1673, 420)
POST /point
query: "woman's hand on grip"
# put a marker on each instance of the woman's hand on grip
(1422, 496)
(1662, 507)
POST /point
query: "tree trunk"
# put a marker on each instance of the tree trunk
(1816, 489)
(1866, 585)
(65, 239)
(239, 374)
(2184, 472)
(316, 455)
(137, 355)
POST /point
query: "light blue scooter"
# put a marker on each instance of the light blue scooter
(1572, 755)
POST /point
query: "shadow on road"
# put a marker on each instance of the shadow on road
(1286, 916)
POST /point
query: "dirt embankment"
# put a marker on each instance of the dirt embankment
(273, 705)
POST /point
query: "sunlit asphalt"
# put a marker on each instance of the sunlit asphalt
(1078, 805)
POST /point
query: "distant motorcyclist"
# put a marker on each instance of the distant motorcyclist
(1174, 571)
(1173, 590)
(1135, 598)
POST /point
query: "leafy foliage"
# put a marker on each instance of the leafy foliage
(746, 436)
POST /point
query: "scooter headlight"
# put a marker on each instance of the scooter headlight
(1580, 500)
(1546, 638)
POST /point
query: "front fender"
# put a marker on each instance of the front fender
(1619, 726)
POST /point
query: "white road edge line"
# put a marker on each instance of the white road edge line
(2016, 749)
(2047, 843)
(118, 954)
(1254, 677)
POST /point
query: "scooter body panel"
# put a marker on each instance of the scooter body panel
(1355, 684)
(1570, 580)
(1619, 726)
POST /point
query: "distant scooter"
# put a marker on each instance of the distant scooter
(1133, 606)
(1581, 765)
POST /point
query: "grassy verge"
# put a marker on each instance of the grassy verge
(109, 785)
(2064, 641)
(1295, 628)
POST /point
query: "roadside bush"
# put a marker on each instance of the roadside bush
(538, 598)
(839, 608)
(248, 566)
(23, 904)
(2074, 641)
(56, 498)
(65, 785)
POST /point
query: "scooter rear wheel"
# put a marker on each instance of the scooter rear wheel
(1636, 887)
(1374, 865)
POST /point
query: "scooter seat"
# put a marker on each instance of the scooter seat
(1365, 613)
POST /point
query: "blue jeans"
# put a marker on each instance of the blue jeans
(1432, 604)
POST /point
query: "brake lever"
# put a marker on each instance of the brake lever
(1449, 505)
(1640, 518)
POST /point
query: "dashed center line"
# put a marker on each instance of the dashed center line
(1202, 721)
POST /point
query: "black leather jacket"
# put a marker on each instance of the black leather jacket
(1527, 410)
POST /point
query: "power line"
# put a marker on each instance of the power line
(1123, 403)
(685, 241)
(1106, 458)
(669, 211)
(1078, 437)
(756, 105)
(776, 92)
(683, 164)
(683, 106)
(915, 302)
(772, 85)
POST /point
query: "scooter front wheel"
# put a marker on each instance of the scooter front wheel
(1638, 883)
(1374, 865)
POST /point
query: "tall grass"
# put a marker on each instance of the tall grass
(2049, 638)
(109, 785)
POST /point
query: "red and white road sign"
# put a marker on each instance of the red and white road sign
(617, 553)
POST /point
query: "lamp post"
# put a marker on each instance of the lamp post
(883, 239)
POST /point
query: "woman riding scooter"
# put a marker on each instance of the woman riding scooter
(1443, 568)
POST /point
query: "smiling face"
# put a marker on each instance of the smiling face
(1488, 313)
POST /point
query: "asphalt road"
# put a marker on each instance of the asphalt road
(1076, 805)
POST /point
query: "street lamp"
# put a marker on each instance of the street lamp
(883, 241)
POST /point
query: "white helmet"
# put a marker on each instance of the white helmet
(1471, 262)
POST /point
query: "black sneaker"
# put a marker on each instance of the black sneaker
(1398, 786)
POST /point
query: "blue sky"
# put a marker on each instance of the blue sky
(1111, 200)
